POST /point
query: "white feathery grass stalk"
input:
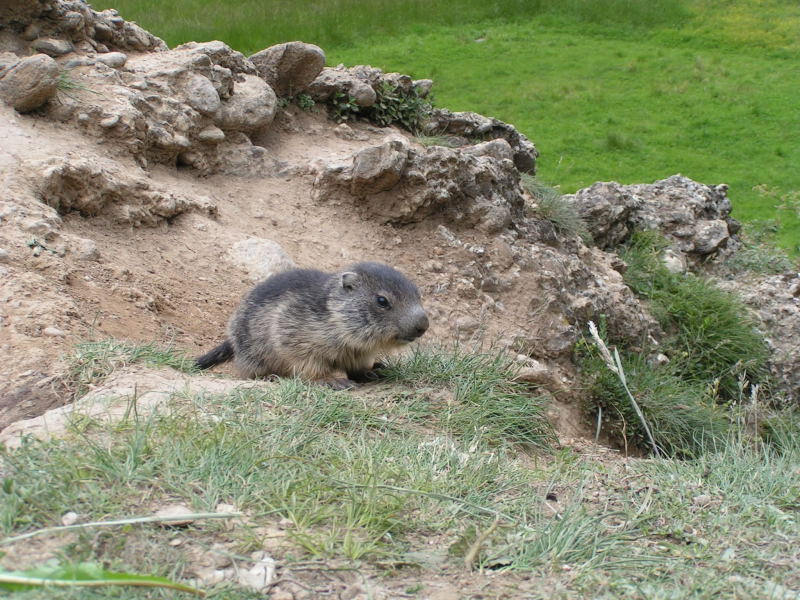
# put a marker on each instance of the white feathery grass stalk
(615, 365)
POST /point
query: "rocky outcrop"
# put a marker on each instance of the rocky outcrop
(474, 126)
(694, 216)
(400, 184)
(93, 188)
(59, 28)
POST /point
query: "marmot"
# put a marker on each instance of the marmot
(312, 324)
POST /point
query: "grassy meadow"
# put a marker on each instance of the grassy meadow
(624, 90)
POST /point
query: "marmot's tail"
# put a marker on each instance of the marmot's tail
(220, 354)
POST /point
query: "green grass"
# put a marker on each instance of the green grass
(93, 361)
(630, 90)
(364, 482)
(711, 340)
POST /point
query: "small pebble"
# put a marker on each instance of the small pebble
(53, 332)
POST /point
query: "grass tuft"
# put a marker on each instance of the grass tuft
(94, 361)
(550, 205)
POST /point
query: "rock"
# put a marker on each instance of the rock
(52, 46)
(471, 125)
(498, 149)
(289, 68)
(694, 216)
(211, 135)
(775, 301)
(93, 187)
(69, 518)
(423, 87)
(378, 168)
(340, 80)
(4, 255)
(176, 515)
(400, 184)
(72, 21)
(30, 83)
(114, 60)
(109, 122)
(53, 332)
(222, 55)
(200, 94)
(261, 258)
(251, 108)
(261, 575)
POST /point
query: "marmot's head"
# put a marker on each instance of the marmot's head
(380, 304)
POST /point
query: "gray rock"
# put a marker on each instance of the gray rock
(399, 184)
(423, 87)
(260, 258)
(114, 60)
(378, 168)
(30, 83)
(694, 216)
(498, 149)
(4, 255)
(340, 80)
(221, 54)
(251, 108)
(289, 68)
(470, 125)
(201, 95)
(52, 46)
(72, 21)
(775, 300)
(211, 135)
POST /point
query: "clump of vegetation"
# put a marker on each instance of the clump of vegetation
(343, 107)
(393, 106)
(396, 106)
(304, 101)
(550, 205)
(711, 339)
(715, 357)
(760, 253)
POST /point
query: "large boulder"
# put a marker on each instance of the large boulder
(289, 68)
(29, 83)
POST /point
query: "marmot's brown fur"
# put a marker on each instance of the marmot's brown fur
(312, 324)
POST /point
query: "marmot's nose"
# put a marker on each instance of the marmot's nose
(421, 326)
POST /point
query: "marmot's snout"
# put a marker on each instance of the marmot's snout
(416, 325)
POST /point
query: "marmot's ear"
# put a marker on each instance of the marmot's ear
(349, 280)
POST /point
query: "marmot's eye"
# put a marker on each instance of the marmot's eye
(382, 302)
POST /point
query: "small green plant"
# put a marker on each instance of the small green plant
(343, 107)
(550, 205)
(304, 101)
(395, 106)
